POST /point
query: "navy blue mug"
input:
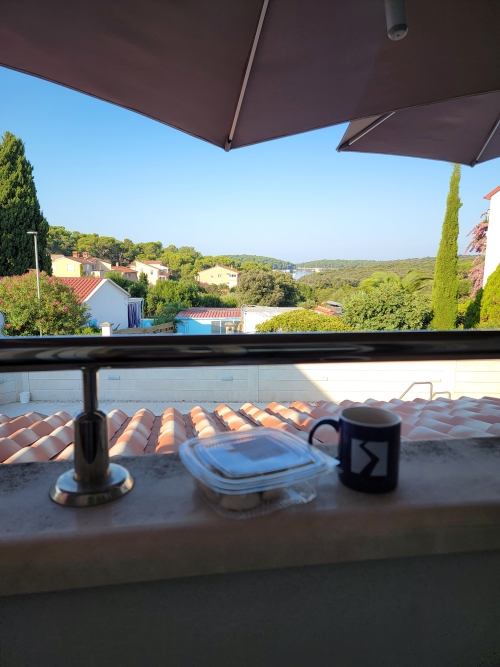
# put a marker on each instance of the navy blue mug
(369, 440)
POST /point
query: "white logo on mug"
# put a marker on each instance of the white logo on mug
(364, 452)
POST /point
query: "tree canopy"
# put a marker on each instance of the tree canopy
(60, 313)
(389, 308)
(19, 212)
(264, 288)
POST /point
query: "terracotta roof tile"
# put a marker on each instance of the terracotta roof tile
(82, 287)
(144, 433)
(210, 313)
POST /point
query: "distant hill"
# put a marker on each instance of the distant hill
(335, 263)
(356, 271)
(260, 259)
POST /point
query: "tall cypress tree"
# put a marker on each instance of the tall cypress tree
(445, 286)
(19, 212)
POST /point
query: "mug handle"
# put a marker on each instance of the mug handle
(322, 422)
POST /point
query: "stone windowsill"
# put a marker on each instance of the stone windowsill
(448, 501)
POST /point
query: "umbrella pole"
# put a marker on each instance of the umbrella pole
(395, 16)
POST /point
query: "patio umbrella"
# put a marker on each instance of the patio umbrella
(238, 72)
(466, 130)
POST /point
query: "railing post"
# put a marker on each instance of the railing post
(93, 481)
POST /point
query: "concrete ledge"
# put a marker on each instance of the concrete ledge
(448, 502)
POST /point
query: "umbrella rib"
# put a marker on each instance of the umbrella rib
(364, 132)
(256, 38)
(488, 139)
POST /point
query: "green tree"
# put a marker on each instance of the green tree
(60, 313)
(171, 291)
(413, 281)
(303, 320)
(19, 212)
(389, 308)
(264, 288)
(119, 280)
(445, 286)
(490, 302)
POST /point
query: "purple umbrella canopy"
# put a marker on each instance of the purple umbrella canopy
(464, 130)
(239, 72)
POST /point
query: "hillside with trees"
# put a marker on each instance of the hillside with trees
(264, 261)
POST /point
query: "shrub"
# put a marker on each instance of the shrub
(389, 308)
(490, 303)
(302, 320)
(60, 313)
(473, 311)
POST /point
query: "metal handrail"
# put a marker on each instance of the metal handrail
(94, 480)
(174, 350)
(413, 384)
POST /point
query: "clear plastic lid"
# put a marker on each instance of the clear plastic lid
(253, 461)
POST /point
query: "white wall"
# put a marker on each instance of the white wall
(313, 382)
(109, 304)
(492, 256)
(253, 317)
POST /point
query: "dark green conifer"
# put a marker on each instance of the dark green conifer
(19, 212)
(445, 286)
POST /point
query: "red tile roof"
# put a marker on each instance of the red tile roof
(493, 192)
(210, 313)
(123, 269)
(29, 438)
(82, 287)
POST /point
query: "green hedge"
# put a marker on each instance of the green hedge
(490, 303)
(303, 320)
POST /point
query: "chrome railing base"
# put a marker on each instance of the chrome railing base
(70, 493)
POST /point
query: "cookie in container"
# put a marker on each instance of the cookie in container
(247, 474)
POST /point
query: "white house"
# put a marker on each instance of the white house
(154, 270)
(209, 320)
(492, 255)
(253, 315)
(107, 301)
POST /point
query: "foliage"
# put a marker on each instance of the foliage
(490, 302)
(336, 263)
(19, 212)
(464, 287)
(303, 320)
(476, 276)
(262, 288)
(171, 291)
(478, 232)
(478, 245)
(389, 308)
(413, 281)
(262, 261)
(472, 311)
(169, 314)
(60, 312)
(445, 286)
(138, 290)
(117, 278)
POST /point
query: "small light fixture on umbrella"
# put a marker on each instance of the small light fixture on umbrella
(395, 16)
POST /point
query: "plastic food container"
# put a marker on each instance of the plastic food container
(246, 474)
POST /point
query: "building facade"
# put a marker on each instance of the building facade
(154, 270)
(209, 320)
(492, 255)
(219, 275)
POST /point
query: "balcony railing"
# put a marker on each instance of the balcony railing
(94, 480)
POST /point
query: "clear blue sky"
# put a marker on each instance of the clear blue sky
(99, 168)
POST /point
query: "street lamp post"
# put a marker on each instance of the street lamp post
(35, 235)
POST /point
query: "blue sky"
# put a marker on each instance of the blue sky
(99, 168)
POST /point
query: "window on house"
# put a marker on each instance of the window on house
(216, 326)
(71, 267)
(152, 272)
(219, 275)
